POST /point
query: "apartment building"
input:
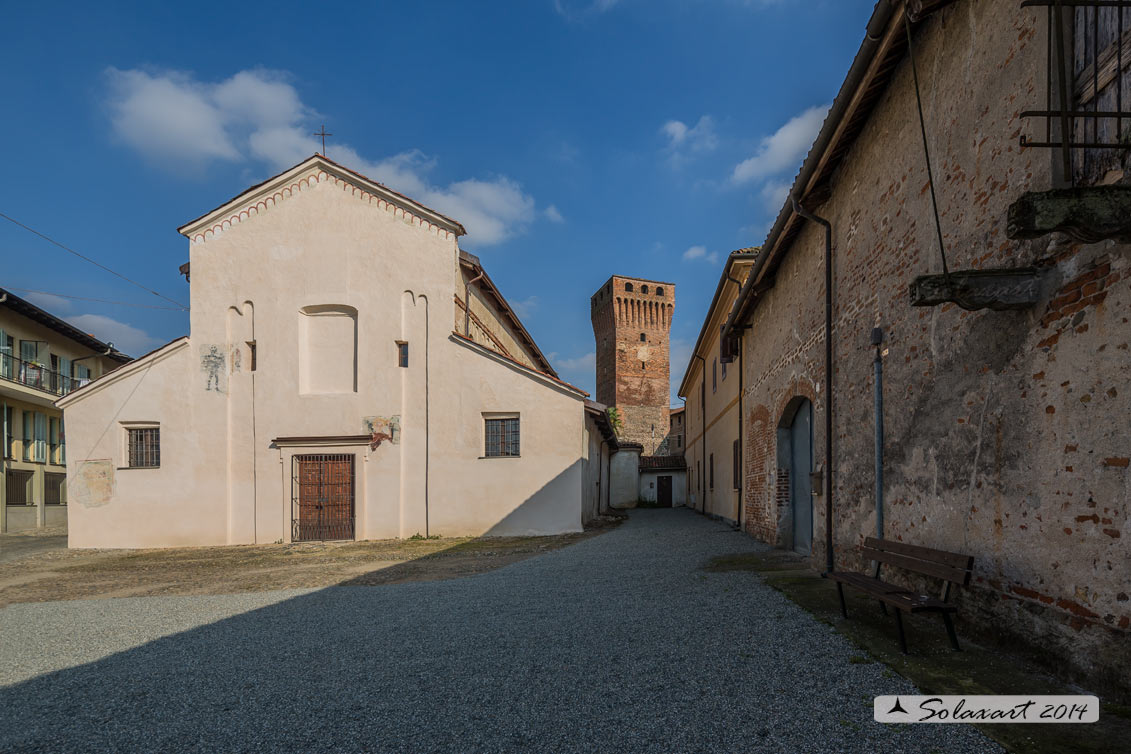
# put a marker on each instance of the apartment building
(41, 359)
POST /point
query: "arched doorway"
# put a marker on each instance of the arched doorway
(795, 455)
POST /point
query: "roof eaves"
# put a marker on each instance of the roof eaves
(520, 365)
(455, 226)
(867, 79)
(748, 254)
(27, 309)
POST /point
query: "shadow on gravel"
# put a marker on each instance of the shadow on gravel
(337, 669)
(932, 665)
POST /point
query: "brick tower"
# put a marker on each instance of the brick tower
(632, 321)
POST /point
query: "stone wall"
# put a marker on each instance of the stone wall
(1006, 432)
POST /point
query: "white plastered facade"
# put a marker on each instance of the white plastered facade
(322, 274)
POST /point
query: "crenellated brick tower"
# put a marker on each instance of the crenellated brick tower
(632, 320)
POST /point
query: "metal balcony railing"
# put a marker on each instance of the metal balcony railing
(37, 376)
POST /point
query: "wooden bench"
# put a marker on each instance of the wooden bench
(950, 567)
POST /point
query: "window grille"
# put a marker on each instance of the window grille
(18, 485)
(501, 437)
(1089, 49)
(145, 448)
(55, 489)
(402, 354)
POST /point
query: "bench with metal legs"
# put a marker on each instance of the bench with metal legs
(950, 567)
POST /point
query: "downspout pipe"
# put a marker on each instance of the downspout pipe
(828, 473)
(878, 370)
(881, 16)
(467, 303)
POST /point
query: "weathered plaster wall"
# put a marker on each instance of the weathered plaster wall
(1006, 432)
(625, 481)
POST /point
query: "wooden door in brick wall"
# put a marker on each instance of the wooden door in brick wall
(323, 504)
(664, 491)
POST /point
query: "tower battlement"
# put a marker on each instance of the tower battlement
(632, 320)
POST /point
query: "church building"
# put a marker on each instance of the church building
(350, 373)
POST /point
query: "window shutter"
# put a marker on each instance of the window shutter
(29, 434)
(5, 355)
(40, 437)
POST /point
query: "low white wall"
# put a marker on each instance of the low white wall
(625, 472)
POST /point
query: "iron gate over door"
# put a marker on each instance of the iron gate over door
(322, 501)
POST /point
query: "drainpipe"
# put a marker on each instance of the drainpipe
(878, 368)
(828, 475)
(467, 303)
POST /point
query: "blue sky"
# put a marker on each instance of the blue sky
(574, 139)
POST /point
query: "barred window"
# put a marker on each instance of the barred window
(501, 437)
(145, 448)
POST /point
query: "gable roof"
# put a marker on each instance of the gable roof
(125, 370)
(488, 286)
(872, 70)
(47, 319)
(529, 370)
(268, 188)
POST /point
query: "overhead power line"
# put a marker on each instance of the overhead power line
(49, 239)
(98, 300)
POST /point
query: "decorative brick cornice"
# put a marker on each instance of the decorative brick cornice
(305, 176)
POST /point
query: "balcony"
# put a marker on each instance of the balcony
(41, 380)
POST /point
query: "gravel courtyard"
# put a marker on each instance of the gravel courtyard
(618, 643)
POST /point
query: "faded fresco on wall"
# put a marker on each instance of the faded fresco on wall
(212, 364)
(236, 359)
(94, 483)
(381, 429)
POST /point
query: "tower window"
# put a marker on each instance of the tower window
(402, 353)
(643, 338)
(642, 367)
(628, 288)
(643, 289)
(659, 290)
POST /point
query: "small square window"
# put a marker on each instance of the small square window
(643, 338)
(402, 353)
(144, 445)
(501, 437)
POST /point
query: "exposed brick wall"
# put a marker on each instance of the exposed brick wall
(1006, 432)
(632, 331)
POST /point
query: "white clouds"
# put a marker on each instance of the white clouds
(53, 304)
(774, 194)
(126, 338)
(684, 140)
(700, 252)
(575, 10)
(784, 148)
(553, 215)
(525, 307)
(583, 363)
(185, 125)
(169, 119)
